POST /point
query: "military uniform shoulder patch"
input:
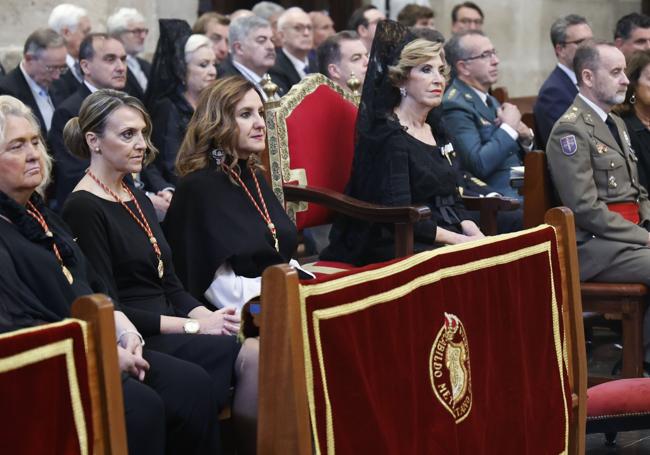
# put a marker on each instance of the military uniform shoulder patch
(571, 115)
(451, 93)
(468, 96)
(569, 145)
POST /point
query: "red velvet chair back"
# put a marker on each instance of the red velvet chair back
(44, 391)
(311, 141)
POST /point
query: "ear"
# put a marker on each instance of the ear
(558, 48)
(83, 64)
(362, 30)
(618, 42)
(92, 140)
(587, 77)
(461, 68)
(333, 71)
(236, 48)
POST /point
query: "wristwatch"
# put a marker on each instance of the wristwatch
(191, 326)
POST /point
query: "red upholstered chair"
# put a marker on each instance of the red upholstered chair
(60, 386)
(410, 357)
(311, 134)
(613, 406)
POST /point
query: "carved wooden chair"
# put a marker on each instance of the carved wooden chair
(613, 406)
(61, 388)
(626, 301)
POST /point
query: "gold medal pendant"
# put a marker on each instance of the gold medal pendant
(67, 274)
(161, 268)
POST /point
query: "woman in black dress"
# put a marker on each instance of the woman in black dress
(116, 227)
(168, 402)
(224, 224)
(402, 155)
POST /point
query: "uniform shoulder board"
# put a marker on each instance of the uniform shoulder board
(452, 93)
(571, 115)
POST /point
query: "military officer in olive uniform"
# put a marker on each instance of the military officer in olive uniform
(489, 138)
(594, 170)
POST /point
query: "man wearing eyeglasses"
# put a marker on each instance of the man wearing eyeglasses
(466, 16)
(560, 88)
(490, 138)
(43, 62)
(292, 64)
(127, 25)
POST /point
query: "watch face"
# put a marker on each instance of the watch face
(191, 326)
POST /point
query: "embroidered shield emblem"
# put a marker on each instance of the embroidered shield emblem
(569, 145)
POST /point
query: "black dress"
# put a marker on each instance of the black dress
(211, 221)
(640, 139)
(401, 171)
(122, 255)
(171, 410)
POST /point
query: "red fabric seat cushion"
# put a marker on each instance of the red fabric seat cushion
(618, 398)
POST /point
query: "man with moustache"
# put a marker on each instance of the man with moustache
(252, 52)
(595, 174)
(489, 138)
(103, 63)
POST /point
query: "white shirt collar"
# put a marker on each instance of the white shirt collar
(247, 72)
(90, 86)
(601, 113)
(34, 87)
(299, 65)
(482, 95)
(569, 72)
(70, 61)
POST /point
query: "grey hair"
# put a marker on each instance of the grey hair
(282, 20)
(454, 51)
(41, 39)
(194, 43)
(13, 106)
(243, 26)
(119, 21)
(66, 15)
(266, 10)
(559, 27)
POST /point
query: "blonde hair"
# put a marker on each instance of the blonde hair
(213, 126)
(93, 116)
(415, 53)
(12, 106)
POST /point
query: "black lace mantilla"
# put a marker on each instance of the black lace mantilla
(30, 228)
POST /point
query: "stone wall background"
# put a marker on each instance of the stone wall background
(519, 30)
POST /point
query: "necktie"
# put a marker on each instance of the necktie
(614, 130)
(491, 104)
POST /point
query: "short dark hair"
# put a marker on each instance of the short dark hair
(587, 57)
(472, 5)
(428, 34)
(358, 17)
(330, 50)
(454, 52)
(201, 25)
(41, 39)
(560, 26)
(412, 13)
(628, 23)
(87, 46)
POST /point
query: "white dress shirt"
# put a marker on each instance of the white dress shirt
(42, 97)
(299, 65)
(136, 69)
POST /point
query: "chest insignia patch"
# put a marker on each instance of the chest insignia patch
(601, 148)
(569, 145)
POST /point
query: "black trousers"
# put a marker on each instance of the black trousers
(173, 411)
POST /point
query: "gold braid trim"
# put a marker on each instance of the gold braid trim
(48, 351)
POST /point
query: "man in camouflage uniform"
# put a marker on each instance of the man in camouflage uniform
(595, 173)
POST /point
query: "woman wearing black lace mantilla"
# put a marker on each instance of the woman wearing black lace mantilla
(402, 156)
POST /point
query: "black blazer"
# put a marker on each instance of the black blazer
(15, 84)
(554, 98)
(68, 169)
(66, 85)
(283, 72)
(226, 69)
(640, 139)
(132, 86)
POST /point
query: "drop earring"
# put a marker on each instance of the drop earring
(217, 155)
(402, 91)
(633, 98)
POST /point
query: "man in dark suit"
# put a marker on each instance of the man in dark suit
(128, 26)
(42, 64)
(292, 63)
(252, 52)
(103, 63)
(73, 24)
(559, 89)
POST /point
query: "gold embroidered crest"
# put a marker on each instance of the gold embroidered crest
(601, 148)
(449, 368)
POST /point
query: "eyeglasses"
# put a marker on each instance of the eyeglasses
(138, 31)
(487, 55)
(60, 69)
(300, 28)
(468, 21)
(577, 42)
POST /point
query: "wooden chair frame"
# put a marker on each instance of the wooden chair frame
(625, 300)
